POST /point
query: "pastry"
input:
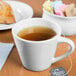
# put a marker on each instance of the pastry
(70, 10)
(57, 3)
(60, 10)
(48, 7)
(6, 13)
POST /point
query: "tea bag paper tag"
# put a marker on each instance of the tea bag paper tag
(5, 49)
(60, 71)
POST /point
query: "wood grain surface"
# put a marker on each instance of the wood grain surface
(13, 66)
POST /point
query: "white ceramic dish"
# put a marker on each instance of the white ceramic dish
(20, 10)
(68, 24)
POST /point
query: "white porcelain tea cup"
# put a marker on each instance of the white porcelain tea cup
(39, 55)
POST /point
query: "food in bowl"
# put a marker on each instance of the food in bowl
(48, 7)
(70, 10)
(6, 13)
(59, 8)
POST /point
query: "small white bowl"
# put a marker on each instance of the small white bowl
(68, 24)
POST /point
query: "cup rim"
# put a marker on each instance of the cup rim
(30, 41)
(63, 17)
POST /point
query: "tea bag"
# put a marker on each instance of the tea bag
(59, 71)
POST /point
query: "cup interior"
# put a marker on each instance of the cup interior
(35, 22)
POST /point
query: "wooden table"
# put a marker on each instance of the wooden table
(13, 66)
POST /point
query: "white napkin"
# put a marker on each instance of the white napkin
(5, 49)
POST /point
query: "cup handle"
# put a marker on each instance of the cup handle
(71, 44)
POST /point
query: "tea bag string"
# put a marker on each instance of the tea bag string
(70, 62)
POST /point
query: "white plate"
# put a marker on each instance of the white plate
(20, 10)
